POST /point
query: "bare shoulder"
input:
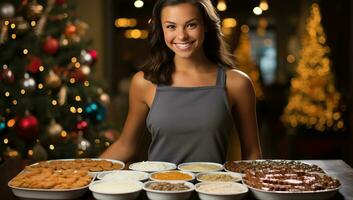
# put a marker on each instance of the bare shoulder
(142, 88)
(238, 80)
(140, 83)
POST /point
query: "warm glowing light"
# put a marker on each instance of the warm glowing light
(77, 98)
(221, 5)
(30, 152)
(11, 123)
(54, 102)
(14, 102)
(13, 26)
(6, 141)
(138, 3)
(13, 36)
(72, 109)
(25, 51)
(51, 147)
(72, 80)
(7, 94)
(257, 10)
(244, 28)
(40, 86)
(73, 59)
(229, 22)
(86, 83)
(77, 65)
(263, 5)
(290, 58)
(23, 91)
(41, 68)
(79, 110)
(63, 133)
(33, 23)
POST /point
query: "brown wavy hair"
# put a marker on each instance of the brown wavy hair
(159, 66)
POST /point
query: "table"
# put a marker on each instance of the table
(336, 168)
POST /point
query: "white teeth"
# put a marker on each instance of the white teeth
(183, 46)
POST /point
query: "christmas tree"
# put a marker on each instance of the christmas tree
(49, 105)
(313, 101)
(245, 62)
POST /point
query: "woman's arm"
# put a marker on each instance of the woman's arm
(126, 146)
(241, 95)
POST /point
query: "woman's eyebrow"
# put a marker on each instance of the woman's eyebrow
(193, 19)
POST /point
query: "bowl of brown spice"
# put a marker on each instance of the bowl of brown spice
(168, 190)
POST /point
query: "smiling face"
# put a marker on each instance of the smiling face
(183, 29)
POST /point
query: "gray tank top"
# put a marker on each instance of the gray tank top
(190, 124)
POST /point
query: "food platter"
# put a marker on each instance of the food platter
(93, 169)
(280, 195)
(44, 180)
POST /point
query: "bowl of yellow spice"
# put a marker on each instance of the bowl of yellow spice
(173, 175)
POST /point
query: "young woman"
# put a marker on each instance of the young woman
(188, 94)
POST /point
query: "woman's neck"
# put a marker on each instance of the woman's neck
(200, 63)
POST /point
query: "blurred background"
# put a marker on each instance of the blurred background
(296, 52)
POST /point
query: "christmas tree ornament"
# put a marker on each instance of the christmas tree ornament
(34, 65)
(62, 95)
(43, 19)
(53, 80)
(78, 75)
(81, 125)
(7, 75)
(11, 153)
(27, 127)
(7, 10)
(86, 58)
(22, 26)
(28, 83)
(51, 45)
(94, 55)
(86, 70)
(83, 145)
(95, 111)
(60, 2)
(105, 99)
(2, 125)
(39, 153)
(81, 27)
(70, 29)
(33, 11)
(54, 129)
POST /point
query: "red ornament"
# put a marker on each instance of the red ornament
(94, 55)
(27, 127)
(34, 64)
(60, 2)
(78, 75)
(70, 30)
(81, 125)
(51, 45)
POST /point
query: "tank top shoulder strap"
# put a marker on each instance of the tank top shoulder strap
(221, 76)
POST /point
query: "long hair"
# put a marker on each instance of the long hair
(159, 66)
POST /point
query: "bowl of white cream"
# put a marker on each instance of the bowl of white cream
(116, 189)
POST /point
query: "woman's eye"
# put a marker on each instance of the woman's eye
(170, 26)
(192, 25)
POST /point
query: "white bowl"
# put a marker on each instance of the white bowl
(198, 168)
(124, 175)
(213, 194)
(113, 190)
(152, 166)
(188, 173)
(236, 176)
(305, 195)
(169, 195)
